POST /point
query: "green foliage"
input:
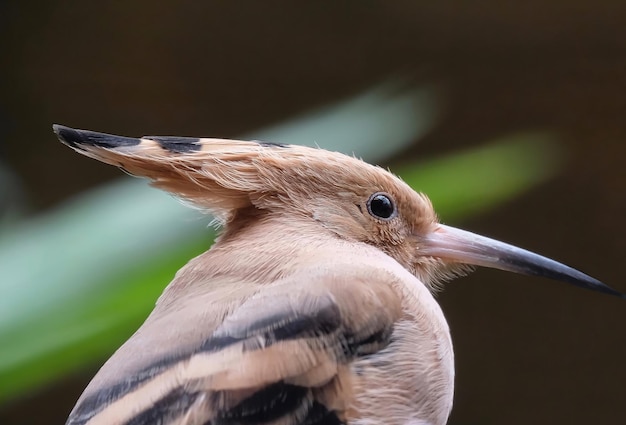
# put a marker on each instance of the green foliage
(78, 280)
(471, 182)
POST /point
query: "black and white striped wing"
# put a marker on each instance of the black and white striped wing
(281, 357)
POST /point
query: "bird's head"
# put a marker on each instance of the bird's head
(349, 198)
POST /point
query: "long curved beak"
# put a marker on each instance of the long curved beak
(455, 245)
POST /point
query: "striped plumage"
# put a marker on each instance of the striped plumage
(313, 307)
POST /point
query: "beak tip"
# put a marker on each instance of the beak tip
(600, 287)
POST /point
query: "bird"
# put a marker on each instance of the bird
(314, 306)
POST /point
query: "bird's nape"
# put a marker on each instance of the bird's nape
(459, 246)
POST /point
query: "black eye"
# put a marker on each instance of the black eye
(380, 205)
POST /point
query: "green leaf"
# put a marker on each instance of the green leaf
(468, 183)
(374, 125)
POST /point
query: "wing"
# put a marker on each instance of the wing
(282, 357)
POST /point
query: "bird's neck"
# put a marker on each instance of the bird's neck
(258, 250)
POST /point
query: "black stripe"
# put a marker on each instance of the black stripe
(177, 144)
(75, 138)
(319, 415)
(362, 345)
(270, 144)
(95, 403)
(266, 405)
(324, 322)
(283, 326)
(174, 404)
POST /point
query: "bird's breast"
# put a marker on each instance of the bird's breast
(411, 381)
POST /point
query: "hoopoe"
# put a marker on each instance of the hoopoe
(314, 306)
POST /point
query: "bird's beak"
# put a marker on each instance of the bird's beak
(459, 246)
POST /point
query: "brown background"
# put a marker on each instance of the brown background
(527, 350)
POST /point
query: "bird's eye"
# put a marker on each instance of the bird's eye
(381, 206)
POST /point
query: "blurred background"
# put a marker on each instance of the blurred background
(510, 115)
